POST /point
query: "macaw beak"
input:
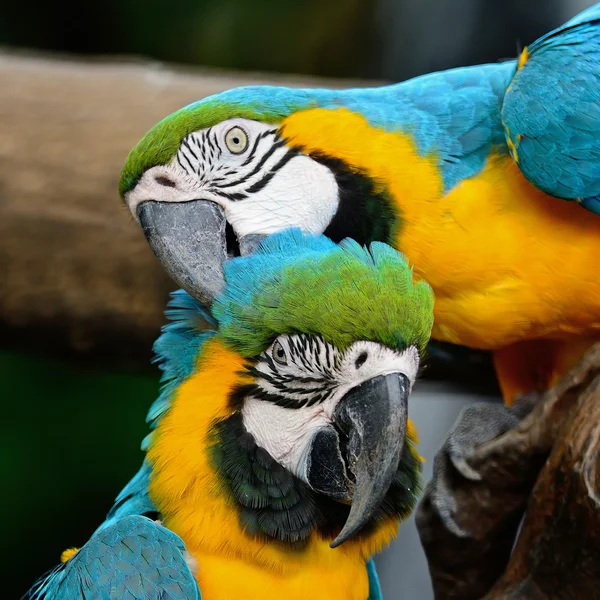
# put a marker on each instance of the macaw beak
(189, 239)
(356, 459)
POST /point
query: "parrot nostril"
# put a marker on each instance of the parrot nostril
(361, 360)
(162, 180)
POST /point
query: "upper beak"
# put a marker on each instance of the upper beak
(189, 239)
(360, 467)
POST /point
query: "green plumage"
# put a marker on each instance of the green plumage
(343, 293)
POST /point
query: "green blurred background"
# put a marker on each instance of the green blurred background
(72, 423)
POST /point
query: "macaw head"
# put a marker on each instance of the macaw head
(324, 341)
(205, 181)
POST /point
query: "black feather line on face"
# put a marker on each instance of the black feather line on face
(182, 165)
(211, 141)
(312, 395)
(250, 158)
(261, 183)
(277, 144)
(366, 212)
(186, 143)
(311, 389)
(234, 196)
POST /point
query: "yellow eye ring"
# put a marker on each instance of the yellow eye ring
(236, 140)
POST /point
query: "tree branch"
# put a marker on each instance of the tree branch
(561, 524)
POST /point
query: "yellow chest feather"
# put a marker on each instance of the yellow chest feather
(194, 504)
(506, 261)
(223, 577)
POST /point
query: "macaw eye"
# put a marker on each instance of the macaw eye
(279, 354)
(236, 140)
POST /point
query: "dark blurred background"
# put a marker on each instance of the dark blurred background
(73, 413)
(381, 39)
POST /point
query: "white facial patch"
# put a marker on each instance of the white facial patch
(286, 432)
(265, 188)
(302, 194)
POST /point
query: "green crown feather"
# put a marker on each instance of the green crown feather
(299, 283)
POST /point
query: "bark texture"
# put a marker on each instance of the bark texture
(546, 471)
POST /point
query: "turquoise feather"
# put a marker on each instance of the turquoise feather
(364, 294)
(131, 559)
(552, 111)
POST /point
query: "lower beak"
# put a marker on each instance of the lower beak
(189, 240)
(361, 466)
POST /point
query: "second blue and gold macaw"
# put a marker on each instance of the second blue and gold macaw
(465, 171)
(281, 457)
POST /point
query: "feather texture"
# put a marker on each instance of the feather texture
(296, 282)
(176, 349)
(132, 559)
(552, 110)
(437, 151)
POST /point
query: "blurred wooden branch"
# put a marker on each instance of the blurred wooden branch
(75, 271)
(546, 468)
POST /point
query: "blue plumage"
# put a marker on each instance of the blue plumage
(133, 499)
(129, 556)
(374, 587)
(552, 111)
(547, 111)
(592, 204)
(246, 275)
(177, 347)
(132, 559)
(551, 118)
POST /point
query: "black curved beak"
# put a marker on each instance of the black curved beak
(359, 463)
(189, 239)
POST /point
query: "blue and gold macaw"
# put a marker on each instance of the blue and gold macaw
(280, 457)
(465, 171)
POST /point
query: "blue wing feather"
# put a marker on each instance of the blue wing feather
(132, 559)
(133, 499)
(552, 111)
